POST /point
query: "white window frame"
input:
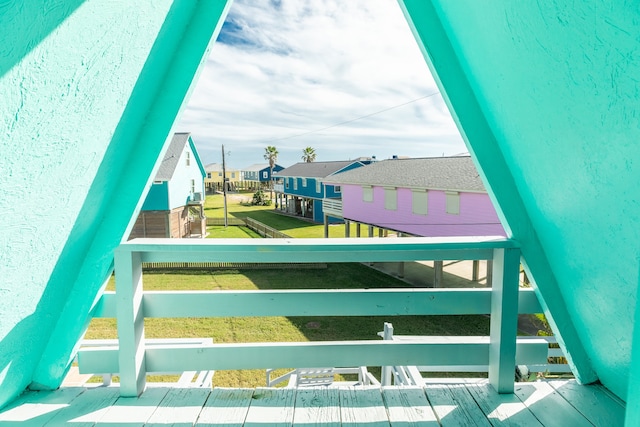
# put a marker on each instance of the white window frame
(188, 158)
(318, 186)
(337, 189)
(265, 174)
(295, 183)
(193, 186)
(367, 193)
(303, 181)
(420, 202)
(453, 202)
(390, 198)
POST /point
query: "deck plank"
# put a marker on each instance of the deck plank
(134, 412)
(317, 406)
(226, 407)
(35, 408)
(87, 409)
(408, 406)
(549, 407)
(362, 405)
(502, 409)
(454, 406)
(592, 402)
(271, 406)
(180, 407)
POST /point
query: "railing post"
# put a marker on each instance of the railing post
(504, 319)
(130, 321)
(387, 334)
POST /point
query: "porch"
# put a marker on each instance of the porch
(459, 403)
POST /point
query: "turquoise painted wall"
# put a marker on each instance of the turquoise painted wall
(546, 95)
(157, 198)
(90, 93)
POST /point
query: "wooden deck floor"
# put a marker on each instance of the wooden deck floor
(552, 403)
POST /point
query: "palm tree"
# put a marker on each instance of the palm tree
(271, 155)
(309, 154)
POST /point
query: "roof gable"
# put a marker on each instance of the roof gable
(171, 157)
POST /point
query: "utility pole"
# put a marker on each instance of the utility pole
(224, 187)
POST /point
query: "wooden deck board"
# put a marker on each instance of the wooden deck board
(454, 406)
(180, 405)
(86, 409)
(226, 407)
(317, 406)
(466, 403)
(549, 407)
(362, 406)
(271, 406)
(408, 406)
(133, 412)
(592, 402)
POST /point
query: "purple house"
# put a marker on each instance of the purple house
(440, 196)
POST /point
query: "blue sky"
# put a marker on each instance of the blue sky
(346, 78)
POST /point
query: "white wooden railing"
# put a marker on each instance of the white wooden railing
(131, 304)
(332, 207)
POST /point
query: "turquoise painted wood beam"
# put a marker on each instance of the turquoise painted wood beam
(435, 350)
(457, 90)
(632, 413)
(351, 302)
(315, 250)
(126, 172)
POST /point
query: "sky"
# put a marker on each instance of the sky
(344, 77)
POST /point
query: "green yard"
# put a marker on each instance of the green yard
(334, 276)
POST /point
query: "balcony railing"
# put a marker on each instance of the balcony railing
(131, 304)
(278, 188)
(332, 207)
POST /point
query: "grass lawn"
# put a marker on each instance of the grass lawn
(254, 329)
(294, 227)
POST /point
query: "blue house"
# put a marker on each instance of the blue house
(300, 189)
(258, 175)
(174, 205)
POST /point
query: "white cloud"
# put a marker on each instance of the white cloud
(285, 72)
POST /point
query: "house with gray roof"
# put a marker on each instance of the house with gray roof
(258, 175)
(173, 207)
(300, 188)
(438, 196)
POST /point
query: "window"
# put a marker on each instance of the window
(265, 174)
(209, 175)
(337, 188)
(453, 202)
(367, 193)
(193, 186)
(233, 174)
(318, 186)
(286, 184)
(419, 200)
(219, 173)
(188, 158)
(390, 198)
(295, 183)
(304, 181)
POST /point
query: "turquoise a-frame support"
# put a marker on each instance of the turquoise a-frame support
(544, 97)
(94, 93)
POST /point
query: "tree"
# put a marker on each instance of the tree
(309, 154)
(271, 155)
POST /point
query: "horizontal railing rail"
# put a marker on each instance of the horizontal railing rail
(132, 359)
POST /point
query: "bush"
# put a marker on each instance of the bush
(260, 199)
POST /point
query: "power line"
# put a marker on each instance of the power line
(352, 120)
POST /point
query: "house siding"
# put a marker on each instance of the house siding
(179, 188)
(477, 214)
